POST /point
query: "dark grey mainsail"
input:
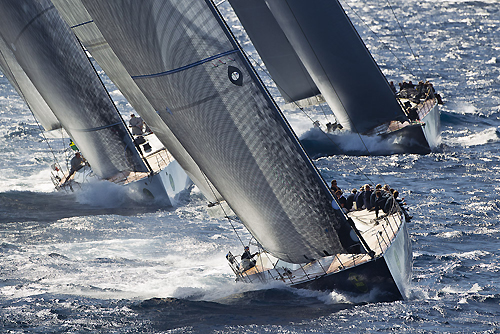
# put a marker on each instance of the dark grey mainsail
(181, 56)
(338, 62)
(282, 62)
(55, 63)
(25, 88)
(89, 35)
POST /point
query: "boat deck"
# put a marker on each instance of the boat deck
(378, 234)
(157, 160)
(423, 108)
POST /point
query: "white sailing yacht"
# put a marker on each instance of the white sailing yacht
(188, 66)
(49, 69)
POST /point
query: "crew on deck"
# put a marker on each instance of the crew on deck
(76, 163)
(382, 198)
(247, 261)
(334, 188)
(136, 125)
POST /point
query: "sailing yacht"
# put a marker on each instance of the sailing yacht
(87, 32)
(48, 67)
(313, 53)
(187, 64)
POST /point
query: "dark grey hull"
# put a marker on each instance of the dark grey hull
(418, 138)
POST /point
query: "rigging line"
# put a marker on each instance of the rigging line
(406, 39)
(31, 22)
(210, 186)
(385, 45)
(146, 163)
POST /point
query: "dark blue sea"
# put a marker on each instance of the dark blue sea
(94, 261)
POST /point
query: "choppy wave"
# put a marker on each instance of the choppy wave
(97, 261)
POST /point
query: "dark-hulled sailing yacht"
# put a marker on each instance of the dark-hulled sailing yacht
(187, 64)
(313, 53)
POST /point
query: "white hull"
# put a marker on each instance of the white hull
(163, 186)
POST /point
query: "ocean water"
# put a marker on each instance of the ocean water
(96, 261)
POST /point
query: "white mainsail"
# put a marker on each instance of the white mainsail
(184, 60)
(52, 58)
(89, 35)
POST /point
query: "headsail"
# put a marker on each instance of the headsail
(55, 63)
(89, 35)
(181, 56)
(338, 62)
(282, 62)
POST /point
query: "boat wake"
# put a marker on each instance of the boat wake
(25, 206)
(468, 138)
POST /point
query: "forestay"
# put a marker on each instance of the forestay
(338, 62)
(58, 68)
(89, 35)
(182, 58)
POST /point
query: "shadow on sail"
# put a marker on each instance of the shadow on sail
(188, 66)
(313, 48)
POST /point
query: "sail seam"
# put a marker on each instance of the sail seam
(31, 22)
(98, 128)
(185, 67)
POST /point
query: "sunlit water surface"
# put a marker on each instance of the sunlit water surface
(96, 261)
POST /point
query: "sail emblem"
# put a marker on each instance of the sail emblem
(235, 75)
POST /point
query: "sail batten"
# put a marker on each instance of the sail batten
(220, 113)
(186, 66)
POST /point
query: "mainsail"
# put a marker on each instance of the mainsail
(282, 62)
(57, 67)
(334, 55)
(183, 58)
(89, 35)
